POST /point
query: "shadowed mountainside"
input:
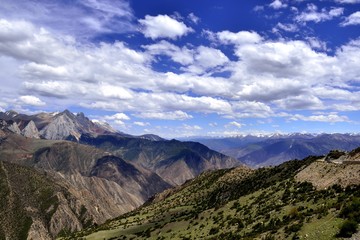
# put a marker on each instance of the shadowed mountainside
(172, 160)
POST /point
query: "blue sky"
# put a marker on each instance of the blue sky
(185, 68)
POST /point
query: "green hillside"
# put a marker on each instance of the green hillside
(239, 203)
(28, 199)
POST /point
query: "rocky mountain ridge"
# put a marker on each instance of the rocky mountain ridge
(61, 126)
(55, 126)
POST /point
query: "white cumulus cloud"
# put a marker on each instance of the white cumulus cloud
(183, 55)
(353, 19)
(117, 116)
(348, 1)
(163, 26)
(106, 16)
(234, 124)
(238, 38)
(142, 124)
(195, 19)
(289, 27)
(332, 118)
(175, 115)
(277, 4)
(31, 100)
(191, 127)
(266, 78)
(311, 14)
(115, 92)
(207, 58)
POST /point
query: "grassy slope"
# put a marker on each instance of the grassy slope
(24, 195)
(266, 204)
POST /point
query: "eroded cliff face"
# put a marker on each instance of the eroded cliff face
(66, 218)
(87, 200)
(102, 198)
(38, 231)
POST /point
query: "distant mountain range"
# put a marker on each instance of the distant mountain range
(267, 150)
(79, 172)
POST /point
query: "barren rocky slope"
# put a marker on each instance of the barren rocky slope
(328, 171)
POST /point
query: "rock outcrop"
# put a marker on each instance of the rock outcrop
(13, 127)
(31, 130)
(62, 126)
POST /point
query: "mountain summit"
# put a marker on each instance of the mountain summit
(55, 126)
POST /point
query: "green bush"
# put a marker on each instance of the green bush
(352, 210)
(348, 228)
(213, 231)
(294, 228)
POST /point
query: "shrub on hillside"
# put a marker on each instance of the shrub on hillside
(352, 210)
(213, 231)
(348, 228)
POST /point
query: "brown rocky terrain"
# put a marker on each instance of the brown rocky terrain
(343, 170)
